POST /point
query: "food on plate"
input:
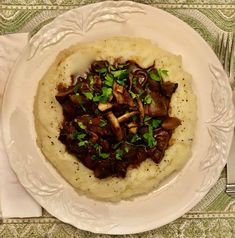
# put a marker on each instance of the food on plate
(115, 116)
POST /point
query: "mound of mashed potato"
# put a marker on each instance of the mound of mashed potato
(48, 117)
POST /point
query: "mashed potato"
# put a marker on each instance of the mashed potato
(49, 116)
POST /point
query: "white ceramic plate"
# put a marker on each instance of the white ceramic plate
(179, 193)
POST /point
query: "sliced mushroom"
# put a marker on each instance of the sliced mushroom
(158, 107)
(62, 95)
(98, 65)
(104, 106)
(133, 126)
(127, 116)
(168, 88)
(94, 137)
(121, 95)
(130, 78)
(170, 123)
(141, 110)
(117, 130)
(118, 88)
(140, 78)
(162, 137)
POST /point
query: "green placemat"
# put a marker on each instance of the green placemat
(214, 216)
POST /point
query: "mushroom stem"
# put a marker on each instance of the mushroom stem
(141, 110)
(117, 130)
(104, 106)
(132, 126)
(126, 116)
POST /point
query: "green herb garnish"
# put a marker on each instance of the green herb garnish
(162, 72)
(91, 81)
(157, 75)
(104, 155)
(120, 76)
(154, 76)
(147, 118)
(88, 95)
(103, 123)
(81, 103)
(134, 118)
(119, 154)
(111, 68)
(109, 80)
(106, 93)
(135, 138)
(126, 149)
(148, 99)
(133, 95)
(119, 73)
(94, 157)
(149, 137)
(102, 70)
(83, 143)
(81, 136)
(156, 123)
(115, 146)
(81, 125)
(75, 90)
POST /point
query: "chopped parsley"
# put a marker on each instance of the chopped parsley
(154, 76)
(109, 80)
(135, 118)
(135, 138)
(83, 143)
(103, 123)
(156, 123)
(119, 154)
(120, 76)
(147, 118)
(149, 137)
(119, 73)
(157, 75)
(81, 125)
(75, 90)
(91, 81)
(115, 146)
(104, 155)
(148, 99)
(126, 149)
(106, 93)
(133, 95)
(162, 72)
(81, 136)
(102, 70)
(88, 95)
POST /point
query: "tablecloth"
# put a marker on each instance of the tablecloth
(214, 216)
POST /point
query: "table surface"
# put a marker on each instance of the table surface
(214, 216)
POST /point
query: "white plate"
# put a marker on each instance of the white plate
(214, 130)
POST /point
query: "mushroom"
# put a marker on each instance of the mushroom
(133, 126)
(94, 136)
(168, 88)
(141, 110)
(170, 123)
(127, 116)
(116, 128)
(99, 65)
(130, 78)
(121, 95)
(158, 107)
(104, 106)
(62, 95)
(140, 79)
